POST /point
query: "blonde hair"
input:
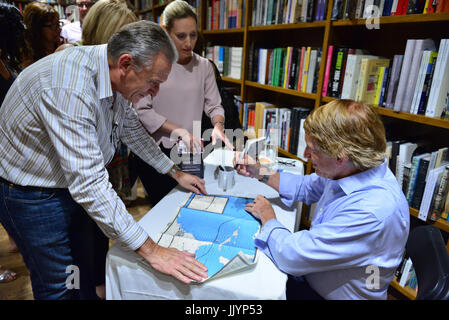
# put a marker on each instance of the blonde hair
(104, 19)
(348, 128)
(178, 9)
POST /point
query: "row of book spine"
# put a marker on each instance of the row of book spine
(270, 12)
(287, 124)
(356, 9)
(59, 8)
(227, 59)
(416, 81)
(225, 14)
(145, 4)
(423, 177)
(289, 68)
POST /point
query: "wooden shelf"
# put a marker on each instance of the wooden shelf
(233, 80)
(440, 223)
(434, 122)
(291, 92)
(290, 26)
(290, 155)
(410, 18)
(406, 291)
(223, 31)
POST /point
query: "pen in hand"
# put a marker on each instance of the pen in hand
(240, 158)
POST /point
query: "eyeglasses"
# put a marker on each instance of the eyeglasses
(55, 26)
(87, 4)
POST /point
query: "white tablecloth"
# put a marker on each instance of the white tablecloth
(128, 278)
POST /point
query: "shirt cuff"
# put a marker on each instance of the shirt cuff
(288, 183)
(133, 238)
(263, 238)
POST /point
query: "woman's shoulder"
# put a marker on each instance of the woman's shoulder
(201, 61)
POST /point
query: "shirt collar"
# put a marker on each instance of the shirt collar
(104, 80)
(359, 181)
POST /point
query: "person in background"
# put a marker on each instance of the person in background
(55, 140)
(42, 34)
(12, 52)
(361, 221)
(71, 32)
(189, 91)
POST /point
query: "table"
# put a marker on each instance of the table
(127, 277)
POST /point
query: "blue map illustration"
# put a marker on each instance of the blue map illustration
(220, 225)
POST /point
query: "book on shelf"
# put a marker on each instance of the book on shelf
(421, 45)
(416, 162)
(409, 70)
(404, 157)
(440, 196)
(337, 76)
(406, 272)
(368, 79)
(393, 81)
(423, 89)
(327, 71)
(432, 185)
(420, 182)
(439, 90)
(352, 72)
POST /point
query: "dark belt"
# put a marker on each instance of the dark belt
(29, 188)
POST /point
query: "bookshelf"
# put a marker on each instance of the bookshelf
(59, 5)
(389, 40)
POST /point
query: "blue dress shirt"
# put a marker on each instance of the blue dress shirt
(357, 237)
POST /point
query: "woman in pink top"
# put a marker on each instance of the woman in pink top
(176, 110)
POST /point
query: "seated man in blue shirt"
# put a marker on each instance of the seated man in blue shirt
(361, 221)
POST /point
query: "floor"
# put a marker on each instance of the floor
(20, 289)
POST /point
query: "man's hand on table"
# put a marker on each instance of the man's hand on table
(261, 209)
(178, 264)
(190, 182)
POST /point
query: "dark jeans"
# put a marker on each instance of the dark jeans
(56, 238)
(299, 289)
(156, 185)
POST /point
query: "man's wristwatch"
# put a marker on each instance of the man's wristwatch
(173, 170)
(264, 178)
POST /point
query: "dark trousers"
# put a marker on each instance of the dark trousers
(156, 185)
(299, 289)
(60, 244)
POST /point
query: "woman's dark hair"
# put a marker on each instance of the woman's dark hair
(12, 30)
(35, 16)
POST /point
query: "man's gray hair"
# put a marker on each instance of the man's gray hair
(143, 40)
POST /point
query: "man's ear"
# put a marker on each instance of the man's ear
(125, 63)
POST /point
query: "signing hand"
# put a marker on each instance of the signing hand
(247, 167)
(261, 209)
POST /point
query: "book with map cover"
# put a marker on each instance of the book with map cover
(217, 229)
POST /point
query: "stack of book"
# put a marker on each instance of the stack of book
(227, 59)
(357, 9)
(416, 81)
(289, 68)
(260, 117)
(269, 12)
(423, 176)
(225, 14)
